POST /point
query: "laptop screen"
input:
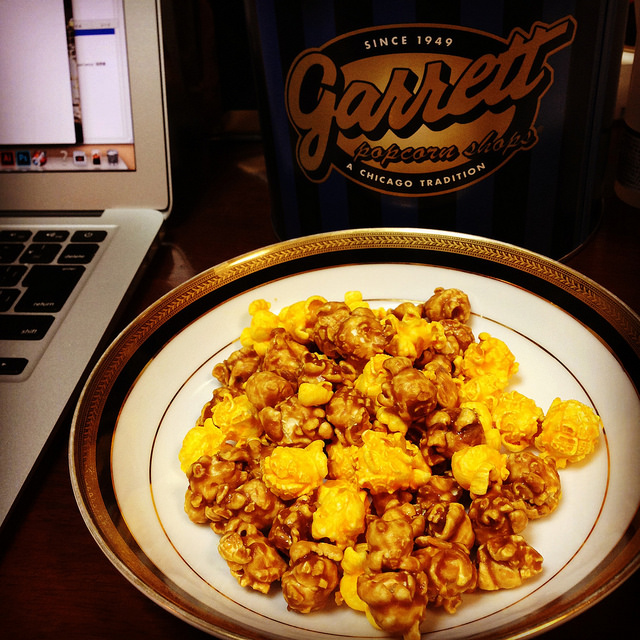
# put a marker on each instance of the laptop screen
(66, 103)
(83, 123)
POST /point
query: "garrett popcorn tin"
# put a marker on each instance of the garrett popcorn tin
(483, 117)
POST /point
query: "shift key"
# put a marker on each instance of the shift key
(26, 327)
(48, 287)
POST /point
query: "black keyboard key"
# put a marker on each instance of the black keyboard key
(40, 253)
(48, 287)
(51, 235)
(78, 253)
(11, 274)
(89, 235)
(7, 298)
(12, 366)
(9, 251)
(14, 235)
(22, 327)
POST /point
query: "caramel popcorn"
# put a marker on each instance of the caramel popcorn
(376, 458)
(533, 484)
(310, 580)
(450, 572)
(396, 600)
(251, 558)
(386, 462)
(505, 561)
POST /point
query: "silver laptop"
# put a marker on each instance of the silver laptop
(84, 190)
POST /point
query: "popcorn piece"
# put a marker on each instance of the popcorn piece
(494, 514)
(353, 299)
(360, 336)
(570, 432)
(347, 412)
(342, 461)
(396, 600)
(448, 304)
(200, 441)
(353, 565)
(291, 422)
(210, 481)
(237, 418)
(410, 335)
(517, 418)
(504, 562)
(263, 323)
(313, 394)
(533, 484)
(291, 472)
(252, 560)
(489, 356)
(448, 431)
(485, 389)
(312, 576)
(329, 319)
(284, 356)
(251, 502)
(293, 523)
(235, 371)
(491, 433)
(340, 513)
(450, 522)
(267, 389)
(450, 572)
(374, 375)
(386, 462)
(298, 319)
(390, 542)
(476, 468)
(410, 394)
(438, 489)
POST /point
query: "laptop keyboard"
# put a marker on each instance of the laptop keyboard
(39, 270)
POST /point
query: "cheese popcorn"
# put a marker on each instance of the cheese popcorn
(353, 300)
(570, 432)
(291, 472)
(387, 462)
(517, 418)
(489, 356)
(486, 389)
(341, 512)
(476, 468)
(263, 323)
(298, 319)
(237, 418)
(374, 375)
(353, 565)
(200, 441)
(312, 394)
(412, 335)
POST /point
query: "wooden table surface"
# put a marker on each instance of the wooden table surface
(54, 580)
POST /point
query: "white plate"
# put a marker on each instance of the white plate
(572, 339)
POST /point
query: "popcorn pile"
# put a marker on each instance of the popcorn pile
(374, 458)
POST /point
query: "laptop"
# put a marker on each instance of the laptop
(84, 191)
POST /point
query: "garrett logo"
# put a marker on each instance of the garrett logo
(420, 109)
